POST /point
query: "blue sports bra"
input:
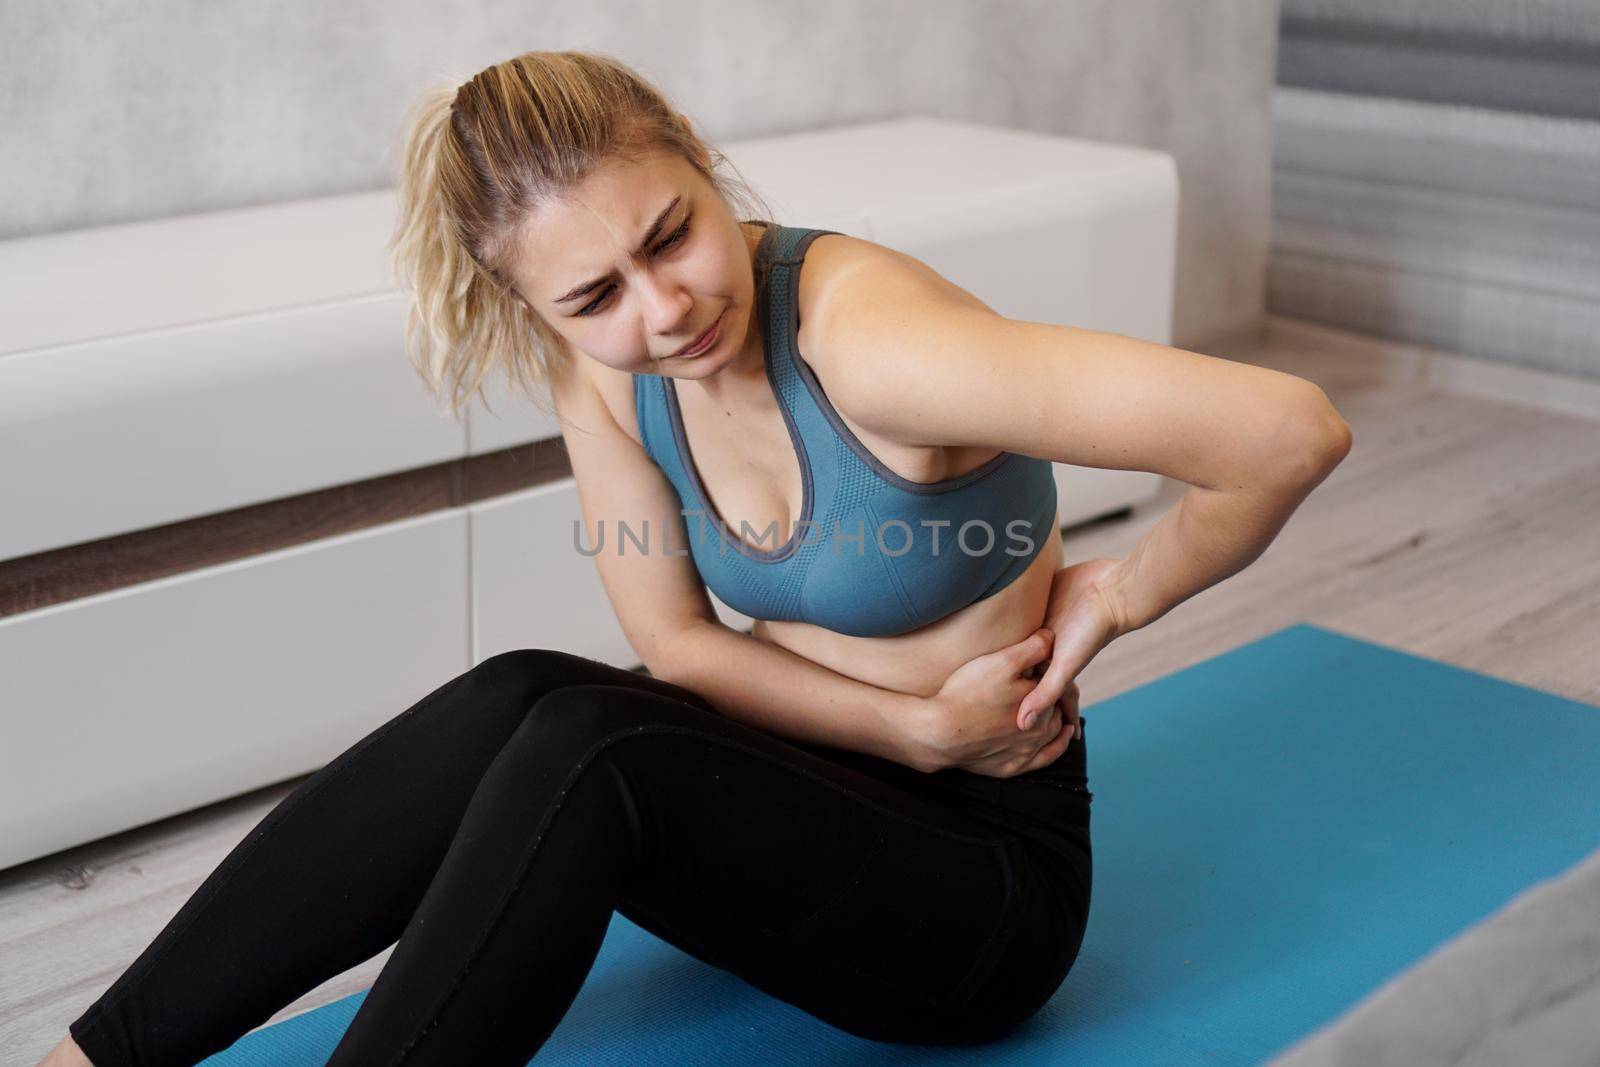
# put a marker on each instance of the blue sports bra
(873, 554)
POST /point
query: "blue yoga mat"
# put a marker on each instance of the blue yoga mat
(1277, 831)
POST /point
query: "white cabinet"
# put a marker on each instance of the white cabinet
(531, 587)
(157, 698)
(106, 436)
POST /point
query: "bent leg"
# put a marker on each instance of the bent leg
(873, 908)
(331, 875)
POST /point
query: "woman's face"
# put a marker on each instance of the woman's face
(636, 264)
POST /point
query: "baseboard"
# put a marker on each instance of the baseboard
(1453, 372)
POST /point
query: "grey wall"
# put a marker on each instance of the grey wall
(1435, 169)
(119, 112)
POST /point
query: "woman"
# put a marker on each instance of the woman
(876, 805)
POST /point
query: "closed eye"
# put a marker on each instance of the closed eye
(670, 243)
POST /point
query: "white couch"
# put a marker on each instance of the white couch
(164, 370)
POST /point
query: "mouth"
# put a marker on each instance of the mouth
(704, 341)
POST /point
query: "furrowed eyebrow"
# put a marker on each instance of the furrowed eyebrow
(649, 237)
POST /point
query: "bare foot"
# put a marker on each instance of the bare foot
(66, 1054)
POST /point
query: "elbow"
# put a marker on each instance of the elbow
(672, 656)
(1319, 442)
(663, 665)
(1329, 443)
(652, 657)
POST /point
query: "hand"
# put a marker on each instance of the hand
(1085, 615)
(972, 720)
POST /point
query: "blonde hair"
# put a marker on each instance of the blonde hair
(478, 157)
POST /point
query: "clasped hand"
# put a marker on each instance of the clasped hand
(1014, 710)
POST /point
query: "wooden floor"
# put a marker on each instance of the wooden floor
(1462, 527)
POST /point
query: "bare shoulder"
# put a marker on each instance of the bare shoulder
(876, 277)
(614, 389)
(880, 269)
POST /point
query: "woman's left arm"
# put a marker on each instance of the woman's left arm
(904, 357)
(1210, 535)
(1207, 536)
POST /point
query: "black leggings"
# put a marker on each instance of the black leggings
(492, 829)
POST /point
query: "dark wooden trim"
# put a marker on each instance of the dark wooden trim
(57, 575)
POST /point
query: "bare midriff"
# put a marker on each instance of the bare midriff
(918, 662)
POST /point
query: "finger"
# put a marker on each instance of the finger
(1050, 752)
(1031, 650)
(1060, 712)
(1044, 693)
(1053, 682)
(1070, 701)
(1050, 725)
(1070, 721)
(1077, 707)
(1036, 698)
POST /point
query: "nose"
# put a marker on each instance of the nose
(668, 306)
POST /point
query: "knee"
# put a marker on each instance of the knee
(589, 713)
(543, 670)
(573, 727)
(502, 688)
(521, 676)
(522, 663)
